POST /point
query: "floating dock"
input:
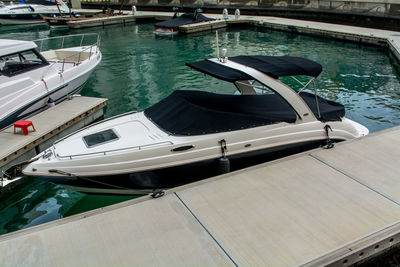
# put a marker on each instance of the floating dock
(213, 25)
(51, 124)
(112, 20)
(324, 207)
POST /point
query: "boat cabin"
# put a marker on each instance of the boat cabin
(17, 57)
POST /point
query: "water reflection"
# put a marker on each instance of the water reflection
(35, 202)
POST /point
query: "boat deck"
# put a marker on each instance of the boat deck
(322, 207)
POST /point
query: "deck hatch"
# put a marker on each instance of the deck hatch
(99, 138)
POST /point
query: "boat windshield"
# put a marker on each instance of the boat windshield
(20, 62)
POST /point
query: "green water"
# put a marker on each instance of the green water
(139, 69)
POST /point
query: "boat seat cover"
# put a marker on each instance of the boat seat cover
(186, 18)
(329, 110)
(196, 112)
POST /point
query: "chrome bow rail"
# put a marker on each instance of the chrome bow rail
(89, 40)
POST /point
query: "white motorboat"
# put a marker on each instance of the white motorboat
(194, 128)
(30, 77)
(21, 13)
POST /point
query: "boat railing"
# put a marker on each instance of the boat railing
(115, 150)
(73, 41)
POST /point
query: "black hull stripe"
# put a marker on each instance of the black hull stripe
(34, 16)
(15, 116)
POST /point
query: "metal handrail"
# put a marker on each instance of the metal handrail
(115, 150)
(68, 36)
(90, 47)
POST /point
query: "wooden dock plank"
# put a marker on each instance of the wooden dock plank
(151, 233)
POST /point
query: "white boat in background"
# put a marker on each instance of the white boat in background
(123, 154)
(21, 13)
(32, 73)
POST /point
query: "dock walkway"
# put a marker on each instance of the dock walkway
(322, 207)
(51, 124)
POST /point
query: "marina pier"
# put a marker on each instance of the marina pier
(329, 207)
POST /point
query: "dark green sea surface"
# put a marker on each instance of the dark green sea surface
(138, 69)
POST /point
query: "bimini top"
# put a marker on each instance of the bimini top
(196, 112)
(12, 46)
(274, 66)
(186, 18)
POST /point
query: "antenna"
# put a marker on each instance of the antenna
(216, 33)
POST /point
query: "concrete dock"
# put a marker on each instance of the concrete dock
(323, 207)
(111, 20)
(51, 124)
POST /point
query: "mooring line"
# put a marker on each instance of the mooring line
(353, 178)
(197, 219)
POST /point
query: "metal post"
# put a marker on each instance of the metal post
(62, 69)
(82, 39)
(62, 43)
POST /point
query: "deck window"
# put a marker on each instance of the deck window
(20, 62)
(100, 138)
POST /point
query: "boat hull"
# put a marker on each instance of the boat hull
(33, 99)
(166, 31)
(19, 19)
(148, 181)
(58, 95)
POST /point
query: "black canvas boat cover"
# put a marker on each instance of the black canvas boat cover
(274, 66)
(219, 71)
(186, 18)
(196, 113)
(329, 110)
